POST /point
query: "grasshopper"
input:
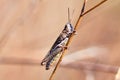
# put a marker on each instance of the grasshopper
(60, 44)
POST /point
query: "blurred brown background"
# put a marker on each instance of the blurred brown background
(28, 28)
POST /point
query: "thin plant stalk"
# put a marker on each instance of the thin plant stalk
(93, 7)
(75, 28)
(67, 43)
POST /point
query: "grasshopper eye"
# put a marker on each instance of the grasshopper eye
(65, 27)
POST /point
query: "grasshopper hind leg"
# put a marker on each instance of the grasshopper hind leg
(54, 58)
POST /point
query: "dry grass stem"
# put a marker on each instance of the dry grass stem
(75, 28)
(94, 7)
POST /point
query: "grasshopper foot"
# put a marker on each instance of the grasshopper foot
(74, 32)
(65, 47)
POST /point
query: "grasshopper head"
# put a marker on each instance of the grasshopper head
(68, 28)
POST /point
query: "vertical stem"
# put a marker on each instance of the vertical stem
(79, 19)
(75, 28)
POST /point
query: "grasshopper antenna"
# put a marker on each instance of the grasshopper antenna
(69, 20)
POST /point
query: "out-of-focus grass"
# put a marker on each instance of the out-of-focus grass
(36, 25)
